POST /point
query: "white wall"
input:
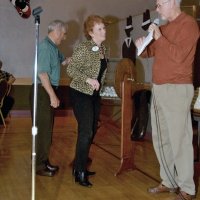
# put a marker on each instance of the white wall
(17, 35)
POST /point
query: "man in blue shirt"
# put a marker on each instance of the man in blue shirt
(49, 61)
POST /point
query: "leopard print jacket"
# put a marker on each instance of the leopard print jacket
(85, 63)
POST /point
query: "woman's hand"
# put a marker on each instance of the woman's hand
(94, 83)
(66, 61)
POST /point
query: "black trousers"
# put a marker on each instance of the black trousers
(44, 123)
(8, 103)
(86, 110)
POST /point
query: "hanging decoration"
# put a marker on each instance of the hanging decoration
(128, 46)
(23, 7)
(146, 20)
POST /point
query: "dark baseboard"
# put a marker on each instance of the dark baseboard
(27, 113)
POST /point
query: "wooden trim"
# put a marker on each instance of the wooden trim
(191, 10)
(23, 81)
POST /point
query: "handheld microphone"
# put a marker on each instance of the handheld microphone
(147, 39)
(156, 21)
(37, 11)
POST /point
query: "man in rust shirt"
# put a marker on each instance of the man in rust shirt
(173, 50)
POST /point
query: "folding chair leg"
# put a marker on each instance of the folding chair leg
(2, 119)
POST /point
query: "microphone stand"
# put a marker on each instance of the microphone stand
(35, 13)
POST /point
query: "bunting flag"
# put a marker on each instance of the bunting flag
(22, 7)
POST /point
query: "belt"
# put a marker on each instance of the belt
(53, 86)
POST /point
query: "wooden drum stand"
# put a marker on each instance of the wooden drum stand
(125, 87)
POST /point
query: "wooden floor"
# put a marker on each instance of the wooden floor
(15, 165)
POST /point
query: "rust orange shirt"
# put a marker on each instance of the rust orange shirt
(174, 51)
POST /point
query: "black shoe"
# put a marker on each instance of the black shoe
(138, 136)
(45, 172)
(52, 168)
(88, 173)
(82, 179)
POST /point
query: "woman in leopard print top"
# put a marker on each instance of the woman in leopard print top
(87, 70)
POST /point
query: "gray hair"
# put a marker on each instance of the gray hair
(56, 24)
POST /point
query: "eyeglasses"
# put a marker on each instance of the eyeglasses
(159, 5)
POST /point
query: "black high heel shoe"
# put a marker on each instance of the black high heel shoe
(88, 173)
(82, 179)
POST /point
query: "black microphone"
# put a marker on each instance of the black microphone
(37, 11)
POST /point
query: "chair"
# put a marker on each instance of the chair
(3, 92)
(8, 89)
(195, 110)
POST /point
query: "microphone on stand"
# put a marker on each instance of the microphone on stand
(36, 15)
(37, 11)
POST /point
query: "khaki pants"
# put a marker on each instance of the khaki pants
(172, 134)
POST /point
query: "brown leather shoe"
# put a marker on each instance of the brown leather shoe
(184, 196)
(160, 189)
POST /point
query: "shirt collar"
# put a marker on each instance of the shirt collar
(51, 42)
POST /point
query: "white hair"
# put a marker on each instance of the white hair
(56, 24)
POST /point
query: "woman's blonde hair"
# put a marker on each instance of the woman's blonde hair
(89, 24)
